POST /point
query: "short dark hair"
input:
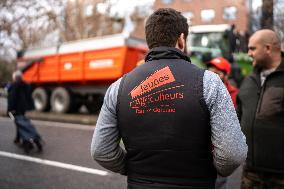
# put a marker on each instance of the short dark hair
(164, 27)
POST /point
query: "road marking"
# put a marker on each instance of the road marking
(55, 163)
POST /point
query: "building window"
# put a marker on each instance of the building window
(188, 14)
(89, 10)
(207, 15)
(167, 1)
(230, 13)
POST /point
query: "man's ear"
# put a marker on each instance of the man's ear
(268, 47)
(181, 42)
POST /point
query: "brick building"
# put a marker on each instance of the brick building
(202, 12)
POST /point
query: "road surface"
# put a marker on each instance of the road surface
(66, 162)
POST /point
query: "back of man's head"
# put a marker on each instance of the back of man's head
(164, 27)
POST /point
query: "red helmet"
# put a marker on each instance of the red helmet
(221, 64)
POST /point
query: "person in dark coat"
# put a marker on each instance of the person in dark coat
(260, 105)
(19, 101)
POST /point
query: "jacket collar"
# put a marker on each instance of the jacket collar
(166, 53)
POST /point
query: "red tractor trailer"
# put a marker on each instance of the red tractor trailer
(77, 73)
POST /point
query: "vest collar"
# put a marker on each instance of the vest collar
(166, 53)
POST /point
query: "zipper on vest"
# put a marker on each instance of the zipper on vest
(259, 91)
(259, 103)
(262, 92)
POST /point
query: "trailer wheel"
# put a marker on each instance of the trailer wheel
(95, 105)
(60, 100)
(41, 99)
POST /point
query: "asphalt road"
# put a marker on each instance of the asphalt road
(67, 147)
(65, 143)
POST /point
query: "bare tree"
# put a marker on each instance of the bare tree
(33, 23)
(73, 21)
(6, 69)
(267, 14)
(279, 18)
(79, 24)
(26, 23)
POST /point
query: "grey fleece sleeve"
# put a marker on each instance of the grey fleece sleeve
(105, 148)
(230, 148)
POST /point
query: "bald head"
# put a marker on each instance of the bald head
(267, 36)
(265, 49)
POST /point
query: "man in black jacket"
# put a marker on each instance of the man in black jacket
(261, 111)
(177, 122)
(20, 101)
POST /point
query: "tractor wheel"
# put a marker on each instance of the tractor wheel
(61, 101)
(41, 99)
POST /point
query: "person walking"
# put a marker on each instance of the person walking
(260, 105)
(177, 122)
(20, 101)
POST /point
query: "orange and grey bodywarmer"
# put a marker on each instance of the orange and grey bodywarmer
(177, 132)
